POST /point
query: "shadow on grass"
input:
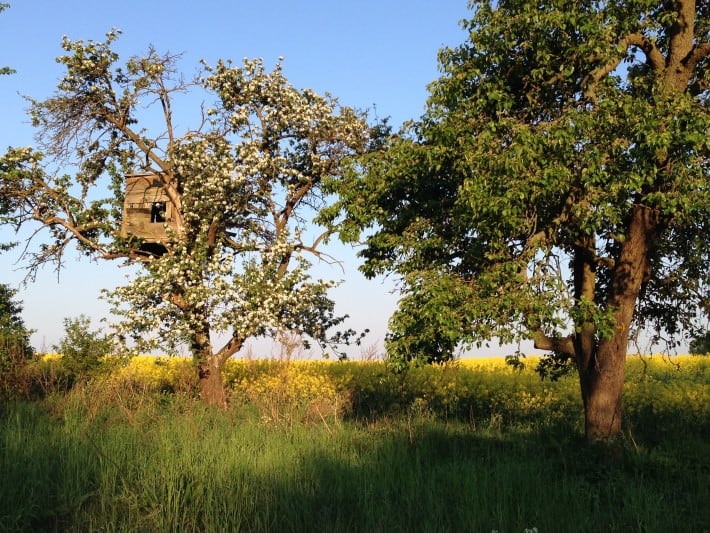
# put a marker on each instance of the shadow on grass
(196, 469)
(444, 479)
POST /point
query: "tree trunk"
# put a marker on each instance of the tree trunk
(209, 368)
(602, 385)
(212, 388)
(603, 368)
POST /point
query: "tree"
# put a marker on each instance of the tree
(241, 187)
(12, 326)
(700, 345)
(15, 346)
(556, 189)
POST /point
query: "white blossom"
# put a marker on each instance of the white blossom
(248, 183)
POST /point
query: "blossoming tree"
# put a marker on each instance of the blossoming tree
(242, 188)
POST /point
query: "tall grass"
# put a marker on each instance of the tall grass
(107, 458)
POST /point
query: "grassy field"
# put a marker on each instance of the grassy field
(337, 447)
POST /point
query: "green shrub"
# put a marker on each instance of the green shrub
(83, 351)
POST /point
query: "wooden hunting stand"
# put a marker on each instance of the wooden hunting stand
(147, 212)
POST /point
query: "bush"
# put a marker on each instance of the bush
(83, 351)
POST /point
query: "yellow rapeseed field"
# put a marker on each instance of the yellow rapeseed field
(660, 391)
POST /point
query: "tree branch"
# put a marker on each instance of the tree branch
(654, 58)
(698, 53)
(563, 345)
(232, 346)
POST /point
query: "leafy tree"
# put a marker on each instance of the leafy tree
(15, 348)
(241, 185)
(700, 345)
(12, 326)
(13, 334)
(83, 350)
(555, 189)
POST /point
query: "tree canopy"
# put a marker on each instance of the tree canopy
(556, 189)
(242, 185)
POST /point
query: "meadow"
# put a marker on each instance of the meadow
(331, 446)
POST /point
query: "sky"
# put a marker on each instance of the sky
(378, 55)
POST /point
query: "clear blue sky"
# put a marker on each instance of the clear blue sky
(379, 53)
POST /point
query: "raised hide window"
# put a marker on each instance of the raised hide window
(147, 211)
(157, 212)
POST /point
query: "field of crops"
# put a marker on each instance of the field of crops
(665, 394)
(321, 446)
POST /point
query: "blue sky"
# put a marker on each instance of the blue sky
(370, 54)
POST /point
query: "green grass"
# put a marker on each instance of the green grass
(130, 461)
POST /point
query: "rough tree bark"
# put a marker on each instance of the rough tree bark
(210, 364)
(602, 377)
(209, 369)
(212, 389)
(601, 362)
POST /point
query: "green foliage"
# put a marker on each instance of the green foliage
(6, 164)
(83, 350)
(507, 210)
(15, 348)
(701, 344)
(553, 366)
(12, 326)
